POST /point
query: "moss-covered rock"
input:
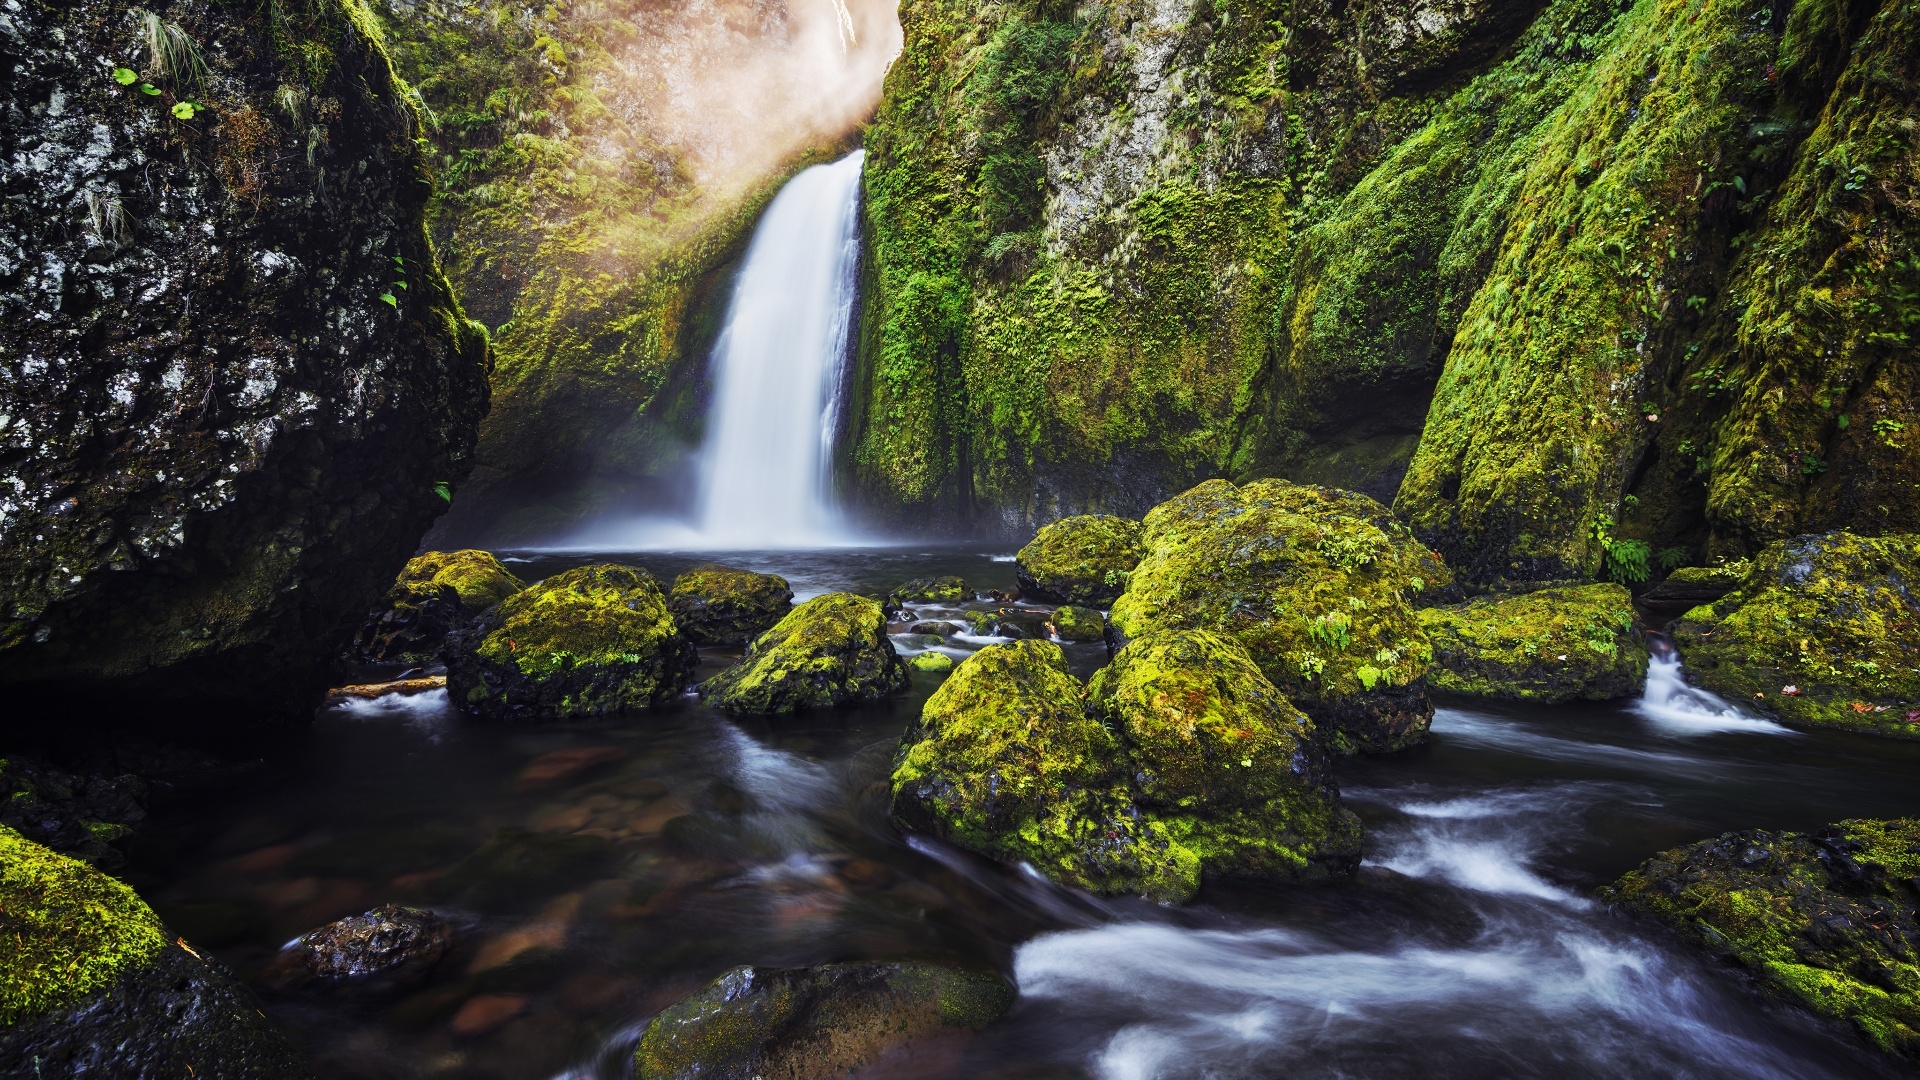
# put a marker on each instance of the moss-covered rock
(1552, 645)
(91, 983)
(90, 817)
(1828, 920)
(814, 1022)
(1834, 617)
(831, 650)
(1072, 623)
(932, 661)
(1688, 587)
(932, 590)
(436, 594)
(1317, 584)
(719, 605)
(1080, 560)
(594, 639)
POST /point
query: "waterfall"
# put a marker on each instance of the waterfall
(777, 370)
(1680, 709)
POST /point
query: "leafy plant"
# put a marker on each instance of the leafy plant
(443, 489)
(1626, 561)
(1886, 429)
(1673, 557)
(125, 76)
(1335, 631)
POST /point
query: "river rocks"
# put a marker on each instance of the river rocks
(718, 605)
(814, 1022)
(90, 817)
(436, 594)
(594, 639)
(1824, 631)
(931, 590)
(832, 650)
(1072, 623)
(390, 942)
(1550, 646)
(1315, 583)
(932, 661)
(1690, 586)
(238, 387)
(91, 984)
(516, 864)
(1826, 920)
(1080, 560)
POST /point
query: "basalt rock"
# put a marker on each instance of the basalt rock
(1550, 646)
(832, 650)
(591, 640)
(1824, 631)
(234, 386)
(1690, 586)
(91, 984)
(1828, 920)
(1080, 560)
(90, 817)
(1072, 623)
(718, 605)
(815, 1022)
(390, 942)
(436, 594)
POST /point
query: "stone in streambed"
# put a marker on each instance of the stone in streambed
(1079, 560)
(392, 942)
(592, 640)
(831, 650)
(1553, 645)
(1826, 920)
(719, 605)
(931, 590)
(517, 864)
(814, 1022)
(932, 661)
(1079, 624)
(436, 594)
(92, 984)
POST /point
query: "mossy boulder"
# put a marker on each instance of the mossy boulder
(1834, 616)
(92, 984)
(932, 661)
(831, 650)
(1083, 559)
(1072, 623)
(814, 1022)
(1552, 645)
(932, 590)
(1826, 920)
(88, 816)
(592, 640)
(719, 605)
(1316, 583)
(436, 594)
(1690, 586)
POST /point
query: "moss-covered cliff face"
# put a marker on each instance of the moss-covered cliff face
(1118, 248)
(232, 376)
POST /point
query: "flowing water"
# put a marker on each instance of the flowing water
(1468, 946)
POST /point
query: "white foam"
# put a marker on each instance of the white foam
(1675, 708)
(430, 712)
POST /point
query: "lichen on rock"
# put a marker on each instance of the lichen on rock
(591, 640)
(1071, 623)
(1080, 560)
(831, 650)
(719, 605)
(436, 594)
(1551, 645)
(1832, 616)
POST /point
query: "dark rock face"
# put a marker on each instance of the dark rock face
(231, 374)
(719, 605)
(86, 816)
(391, 941)
(814, 1022)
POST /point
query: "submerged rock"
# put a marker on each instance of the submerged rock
(1826, 920)
(1315, 583)
(516, 864)
(594, 639)
(832, 650)
(814, 1022)
(1552, 645)
(438, 593)
(931, 590)
(392, 942)
(1831, 616)
(1080, 560)
(1072, 623)
(92, 984)
(719, 605)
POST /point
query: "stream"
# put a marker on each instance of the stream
(652, 851)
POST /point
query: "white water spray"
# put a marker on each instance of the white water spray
(1680, 709)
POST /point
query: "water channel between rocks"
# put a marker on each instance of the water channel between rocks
(669, 846)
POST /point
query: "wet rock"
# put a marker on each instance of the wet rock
(932, 661)
(1835, 617)
(1080, 560)
(718, 605)
(1690, 586)
(1826, 920)
(517, 864)
(594, 639)
(436, 594)
(392, 942)
(814, 1022)
(1553, 645)
(931, 590)
(403, 687)
(90, 817)
(1080, 624)
(91, 984)
(564, 764)
(832, 650)
(938, 629)
(1317, 584)
(205, 497)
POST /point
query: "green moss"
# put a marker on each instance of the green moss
(1729, 574)
(1552, 645)
(66, 930)
(1831, 615)
(1072, 623)
(477, 577)
(932, 661)
(932, 590)
(1820, 920)
(1080, 560)
(719, 605)
(1315, 583)
(831, 650)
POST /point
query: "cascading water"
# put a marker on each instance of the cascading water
(777, 370)
(1681, 709)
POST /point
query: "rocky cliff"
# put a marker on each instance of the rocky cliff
(234, 385)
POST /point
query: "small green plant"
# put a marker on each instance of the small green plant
(1370, 676)
(1812, 465)
(1311, 665)
(1626, 561)
(443, 489)
(1887, 429)
(185, 110)
(171, 53)
(1672, 558)
(125, 76)
(1335, 631)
